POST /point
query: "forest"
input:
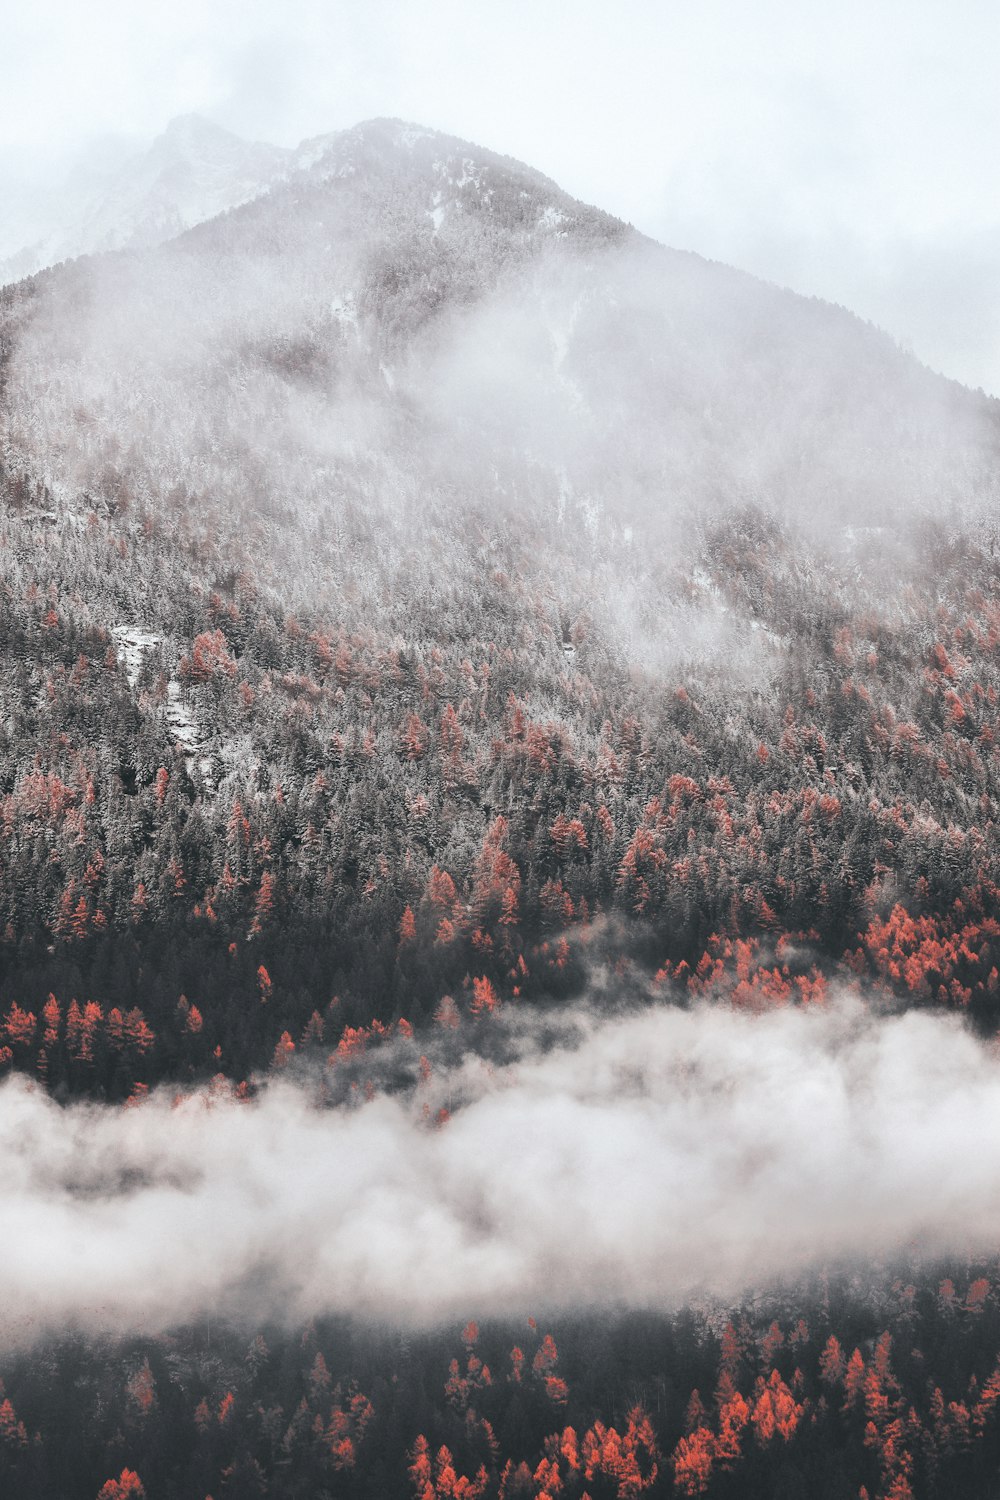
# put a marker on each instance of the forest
(347, 701)
(369, 833)
(850, 1387)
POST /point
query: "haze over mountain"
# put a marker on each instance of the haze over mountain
(191, 172)
(405, 325)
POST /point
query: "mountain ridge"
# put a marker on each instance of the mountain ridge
(154, 194)
(192, 170)
(316, 159)
(432, 283)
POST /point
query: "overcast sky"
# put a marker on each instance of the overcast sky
(846, 150)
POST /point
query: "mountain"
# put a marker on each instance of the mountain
(191, 172)
(498, 725)
(404, 313)
(113, 199)
(413, 490)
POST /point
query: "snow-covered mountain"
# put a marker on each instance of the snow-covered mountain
(405, 333)
(196, 170)
(191, 172)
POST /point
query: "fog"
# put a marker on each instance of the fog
(838, 151)
(371, 358)
(657, 386)
(637, 1160)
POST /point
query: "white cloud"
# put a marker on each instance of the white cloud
(632, 1161)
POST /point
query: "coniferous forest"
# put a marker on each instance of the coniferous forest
(439, 627)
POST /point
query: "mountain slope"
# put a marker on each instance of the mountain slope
(412, 563)
(497, 720)
(407, 313)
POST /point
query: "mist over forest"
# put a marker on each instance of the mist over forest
(499, 874)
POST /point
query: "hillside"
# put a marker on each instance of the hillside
(414, 485)
(439, 625)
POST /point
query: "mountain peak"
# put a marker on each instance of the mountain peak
(377, 133)
(410, 146)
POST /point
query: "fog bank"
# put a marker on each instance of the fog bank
(637, 1161)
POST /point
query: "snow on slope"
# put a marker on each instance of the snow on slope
(196, 170)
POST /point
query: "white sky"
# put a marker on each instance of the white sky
(849, 150)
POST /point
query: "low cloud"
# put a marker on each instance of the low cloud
(606, 1162)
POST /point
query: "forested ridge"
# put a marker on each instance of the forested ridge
(367, 825)
(498, 612)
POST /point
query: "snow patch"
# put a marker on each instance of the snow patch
(469, 177)
(134, 645)
(437, 212)
(552, 218)
(185, 727)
